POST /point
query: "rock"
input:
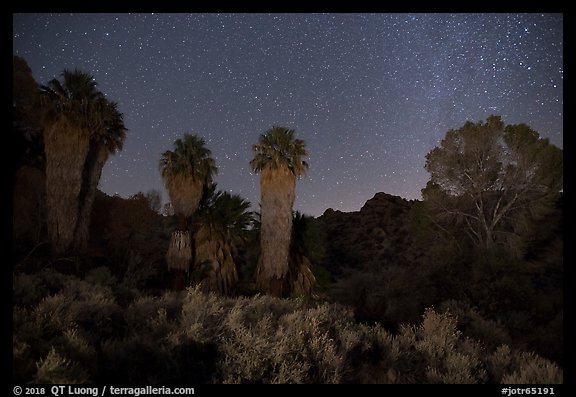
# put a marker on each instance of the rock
(377, 234)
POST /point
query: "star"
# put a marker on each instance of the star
(370, 94)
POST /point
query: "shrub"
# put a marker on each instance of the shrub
(81, 334)
(296, 346)
(534, 370)
(473, 324)
(436, 352)
(56, 369)
(28, 289)
(511, 367)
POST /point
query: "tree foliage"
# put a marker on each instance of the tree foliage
(279, 149)
(490, 180)
(221, 223)
(81, 128)
(186, 170)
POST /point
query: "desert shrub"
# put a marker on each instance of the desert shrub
(138, 358)
(473, 324)
(157, 347)
(202, 314)
(138, 271)
(370, 352)
(534, 370)
(548, 339)
(298, 345)
(386, 293)
(28, 289)
(93, 308)
(49, 316)
(507, 366)
(146, 307)
(81, 334)
(436, 352)
(499, 363)
(57, 369)
(77, 347)
(100, 276)
(53, 280)
(23, 363)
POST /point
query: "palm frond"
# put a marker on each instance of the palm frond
(186, 171)
(191, 157)
(79, 101)
(228, 212)
(278, 148)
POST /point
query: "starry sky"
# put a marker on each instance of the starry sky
(371, 94)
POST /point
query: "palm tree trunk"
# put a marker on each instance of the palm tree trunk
(180, 250)
(277, 187)
(95, 160)
(302, 279)
(214, 251)
(66, 150)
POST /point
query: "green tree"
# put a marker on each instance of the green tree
(490, 181)
(186, 172)
(222, 220)
(279, 158)
(81, 128)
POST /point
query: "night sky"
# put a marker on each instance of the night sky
(371, 94)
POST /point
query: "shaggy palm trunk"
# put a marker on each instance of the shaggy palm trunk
(302, 279)
(277, 187)
(185, 194)
(213, 260)
(66, 149)
(95, 161)
(180, 250)
(179, 256)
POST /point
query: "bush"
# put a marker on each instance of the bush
(475, 325)
(298, 346)
(56, 369)
(511, 367)
(81, 334)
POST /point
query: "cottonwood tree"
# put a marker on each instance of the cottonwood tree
(491, 181)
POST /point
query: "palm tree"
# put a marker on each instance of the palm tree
(81, 128)
(106, 140)
(279, 158)
(302, 279)
(222, 220)
(186, 171)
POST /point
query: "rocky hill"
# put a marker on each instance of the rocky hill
(377, 234)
